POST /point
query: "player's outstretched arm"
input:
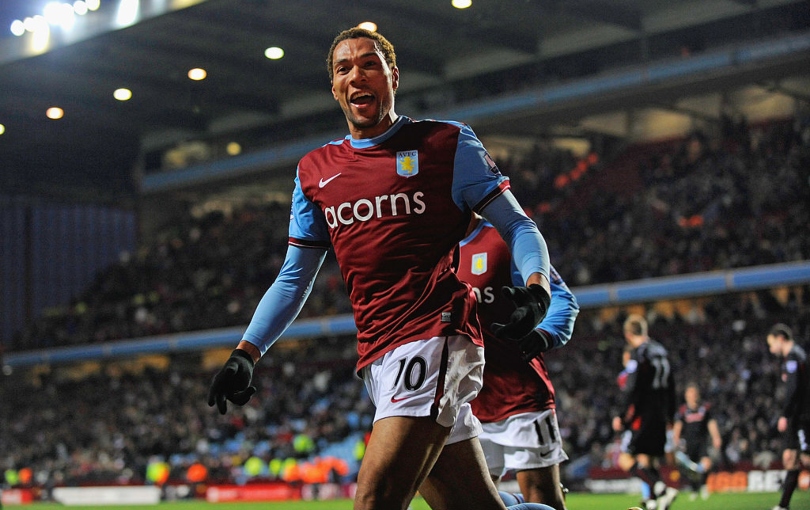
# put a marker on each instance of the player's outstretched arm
(530, 255)
(283, 301)
(277, 309)
(526, 243)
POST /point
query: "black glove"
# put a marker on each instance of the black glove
(535, 343)
(233, 382)
(532, 304)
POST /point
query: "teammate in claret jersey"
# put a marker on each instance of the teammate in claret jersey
(516, 406)
(393, 199)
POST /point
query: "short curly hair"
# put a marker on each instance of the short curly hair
(385, 47)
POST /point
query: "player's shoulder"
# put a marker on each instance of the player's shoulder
(798, 353)
(795, 361)
(438, 122)
(656, 348)
(319, 152)
(451, 126)
(643, 351)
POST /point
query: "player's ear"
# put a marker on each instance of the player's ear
(334, 94)
(395, 78)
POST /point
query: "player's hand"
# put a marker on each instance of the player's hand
(535, 343)
(532, 304)
(232, 382)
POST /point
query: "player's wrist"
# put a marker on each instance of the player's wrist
(250, 349)
(540, 295)
(243, 355)
(535, 343)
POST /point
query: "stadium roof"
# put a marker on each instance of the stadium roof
(446, 55)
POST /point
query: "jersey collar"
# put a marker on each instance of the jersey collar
(365, 143)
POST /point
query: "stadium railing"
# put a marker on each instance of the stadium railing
(595, 296)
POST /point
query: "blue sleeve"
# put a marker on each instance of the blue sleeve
(476, 177)
(284, 299)
(307, 223)
(562, 313)
(528, 248)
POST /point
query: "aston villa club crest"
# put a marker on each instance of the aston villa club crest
(479, 263)
(407, 163)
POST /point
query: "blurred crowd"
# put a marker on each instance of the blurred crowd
(738, 198)
(112, 423)
(704, 203)
(109, 422)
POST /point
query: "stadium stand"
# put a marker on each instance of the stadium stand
(698, 204)
(728, 194)
(155, 411)
(210, 270)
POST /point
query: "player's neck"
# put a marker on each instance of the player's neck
(385, 123)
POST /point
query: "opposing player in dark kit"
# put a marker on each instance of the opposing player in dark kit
(694, 432)
(648, 410)
(794, 420)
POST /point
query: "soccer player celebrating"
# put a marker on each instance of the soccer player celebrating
(393, 199)
(516, 405)
(649, 406)
(696, 426)
(795, 417)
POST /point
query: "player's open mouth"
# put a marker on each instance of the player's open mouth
(362, 99)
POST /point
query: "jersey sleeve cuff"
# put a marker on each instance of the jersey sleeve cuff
(307, 243)
(492, 195)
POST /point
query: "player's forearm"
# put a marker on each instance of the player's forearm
(791, 397)
(530, 253)
(676, 432)
(527, 245)
(631, 394)
(284, 299)
(561, 316)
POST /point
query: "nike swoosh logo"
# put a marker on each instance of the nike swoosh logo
(323, 183)
(395, 400)
(547, 455)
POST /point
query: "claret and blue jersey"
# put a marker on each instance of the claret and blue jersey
(385, 206)
(511, 385)
(394, 209)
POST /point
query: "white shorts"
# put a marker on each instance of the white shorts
(522, 441)
(436, 377)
